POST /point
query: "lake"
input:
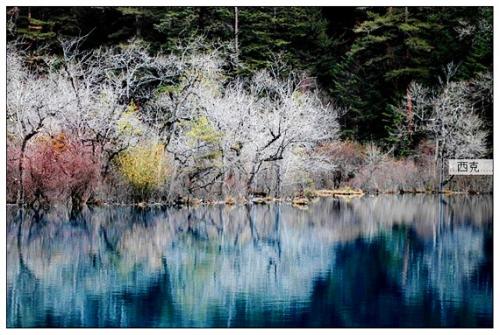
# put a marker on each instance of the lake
(384, 261)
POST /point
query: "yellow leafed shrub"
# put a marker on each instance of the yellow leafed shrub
(145, 166)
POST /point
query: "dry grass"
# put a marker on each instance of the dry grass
(300, 201)
(340, 191)
(263, 201)
(229, 201)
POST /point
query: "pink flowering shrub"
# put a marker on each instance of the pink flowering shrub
(56, 169)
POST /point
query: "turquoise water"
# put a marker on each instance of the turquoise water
(386, 261)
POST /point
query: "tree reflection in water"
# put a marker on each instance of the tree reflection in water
(374, 261)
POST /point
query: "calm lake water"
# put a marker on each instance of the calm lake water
(386, 261)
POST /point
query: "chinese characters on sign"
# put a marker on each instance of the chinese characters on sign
(470, 167)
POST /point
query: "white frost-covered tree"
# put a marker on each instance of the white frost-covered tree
(447, 115)
(272, 123)
(267, 126)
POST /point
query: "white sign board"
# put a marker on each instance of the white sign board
(470, 167)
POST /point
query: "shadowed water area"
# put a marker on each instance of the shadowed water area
(386, 261)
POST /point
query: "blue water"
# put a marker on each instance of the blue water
(386, 261)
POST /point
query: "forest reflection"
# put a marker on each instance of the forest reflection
(375, 261)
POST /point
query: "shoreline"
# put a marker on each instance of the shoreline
(297, 201)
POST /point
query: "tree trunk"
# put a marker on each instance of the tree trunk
(436, 160)
(255, 169)
(441, 168)
(236, 33)
(278, 181)
(221, 190)
(138, 32)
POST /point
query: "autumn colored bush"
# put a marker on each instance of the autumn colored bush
(384, 173)
(348, 157)
(56, 169)
(345, 152)
(389, 175)
(145, 167)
